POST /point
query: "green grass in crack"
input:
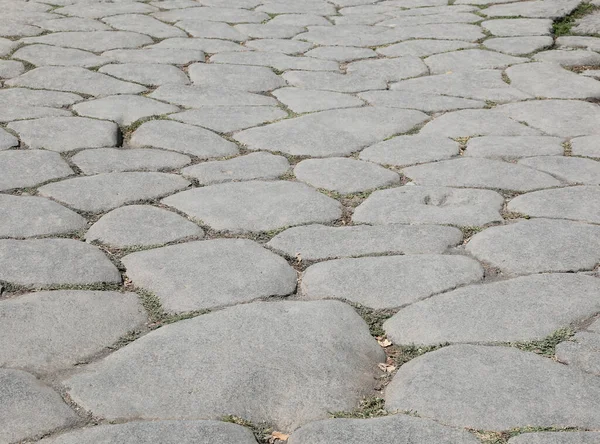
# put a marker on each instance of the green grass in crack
(563, 25)
(547, 346)
(368, 408)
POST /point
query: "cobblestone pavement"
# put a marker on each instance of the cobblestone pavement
(301, 221)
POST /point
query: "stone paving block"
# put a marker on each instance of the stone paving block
(588, 146)
(45, 55)
(99, 10)
(195, 97)
(7, 140)
(249, 385)
(13, 29)
(149, 74)
(73, 24)
(110, 160)
(28, 168)
(410, 150)
(10, 69)
(255, 205)
(300, 20)
(572, 41)
(556, 438)
(423, 48)
(212, 14)
(245, 78)
(552, 9)
(429, 103)
(226, 119)
(341, 53)
(123, 109)
(569, 169)
(470, 60)
(537, 246)
(283, 7)
(301, 100)
(18, 97)
(212, 30)
(442, 31)
(589, 24)
(31, 112)
(69, 325)
(453, 17)
(582, 352)
(390, 70)
(210, 46)
(513, 147)
(526, 308)
(290, 47)
(269, 30)
(155, 55)
(95, 41)
(518, 27)
(332, 81)
(7, 46)
(281, 62)
(519, 45)
(573, 57)
(144, 25)
(43, 263)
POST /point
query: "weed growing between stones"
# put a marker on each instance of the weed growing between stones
(568, 149)
(373, 407)
(373, 318)
(547, 346)
(262, 431)
(563, 25)
(469, 232)
(488, 437)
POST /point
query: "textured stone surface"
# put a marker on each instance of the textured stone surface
(556, 438)
(582, 352)
(226, 119)
(20, 168)
(421, 101)
(519, 45)
(302, 100)
(249, 385)
(410, 150)
(246, 78)
(390, 70)
(507, 147)
(423, 48)
(333, 81)
(7, 140)
(43, 55)
(586, 146)
(123, 109)
(469, 60)
(538, 9)
(569, 169)
(109, 160)
(518, 27)
(146, 73)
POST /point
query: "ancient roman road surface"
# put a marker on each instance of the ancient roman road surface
(301, 221)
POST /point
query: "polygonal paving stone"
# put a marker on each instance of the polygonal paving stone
(299, 20)
(141, 225)
(588, 24)
(165, 432)
(194, 97)
(316, 242)
(73, 24)
(183, 138)
(251, 166)
(582, 352)
(226, 119)
(539, 245)
(144, 25)
(394, 429)
(442, 31)
(556, 438)
(7, 140)
(212, 30)
(429, 103)
(537, 9)
(74, 79)
(344, 175)
(571, 41)
(301, 100)
(104, 192)
(94, 41)
(43, 55)
(452, 17)
(10, 69)
(248, 385)
(333, 81)
(430, 205)
(209, 14)
(511, 147)
(7, 46)
(518, 27)
(390, 70)
(331, 133)
(69, 326)
(28, 168)
(576, 203)
(255, 205)
(29, 408)
(341, 53)
(470, 60)
(269, 30)
(51, 262)
(110, 160)
(19, 97)
(213, 273)
(281, 62)
(572, 57)
(252, 79)
(570, 169)
(31, 112)
(588, 146)
(123, 109)
(410, 150)
(14, 29)
(209, 46)
(28, 216)
(423, 48)
(526, 308)
(388, 281)
(313, 7)
(99, 10)
(149, 74)
(284, 46)
(519, 45)
(155, 55)
(66, 133)
(495, 388)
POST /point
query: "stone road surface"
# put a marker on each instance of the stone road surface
(302, 221)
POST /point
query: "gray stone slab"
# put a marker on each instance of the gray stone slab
(43, 263)
(166, 432)
(10, 69)
(430, 205)
(123, 109)
(519, 45)
(572, 57)
(536, 9)
(104, 192)
(249, 167)
(441, 31)
(141, 225)
(341, 53)
(589, 24)
(344, 175)
(300, 20)
(209, 46)
(110, 160)
(388, 281)
(470, 60)
(572, 41)
(145, 25)
(69, 325)
(45, 55)
(452, 17)
(537, 246)
(155, 55)
(283, 7)
(518, 27)
(13, 29)
(290, 47)
(281, 62)
(582, 352)
(301, 100)
(317, 242)
(390, 70)
(429, 103)
(7, 140)
(556, 438)
(245, 78)
(194, 97)
(29, 216)
(16, 97)
(423, 48)
(569, 169)
(514, 147)
(495, 388)
(269, 30)
(29, 408)
(7, 46)
(588, 146)
(213, 14)
(183, 138)
(211, 30)
(99, 10)
(526, 308)
(74, 79)
(410, 150)
(149, 74)
(331, 133)
(249, 385)
(28, 168)
(226, 119)
(332, 81)
(94, 41)
(73, 24)
(255, 205)
(31, 112)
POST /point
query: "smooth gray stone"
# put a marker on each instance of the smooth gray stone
(212, 30)
(344, 175)
(514, 147)
(255, 205)
(245, 78)
(7, 140)
(141, 225)
(423, 48)
(28, 168)
(495, 388)
(388, 281)
(301, 100)
(350, 35)
(249, 167)
(210, 14)
(518, 27)
(183, 138)
(144, 25)
(536, 9)
(470, 60)
(341, 53)
(104, 192)
(284, 7)
(410, 150)
(123, 109)
(299, 20)
(110, 160)
(284, 46)
(331, 133)
(13, 29)
(42, 263)
(476, 172)
(442, 31)
(149, 74)
(317, 242)
(225, 343)
(526, 308)
(70, 326)
(226, 119)
(208, 46)
(212, 273)
(571, 41)
(332, 81)
(539, 245)
(73, 24)
(269, 30)
(519, 45)
(29, 408)
(29, 216)
(10, 69)
(429, 103)
(18, 97)
(556, 438)
(563, 118)
(453, 17)
(194, 97)
(155, 55)
(569, 169)
(281, 62)
(99, 10)
(165, 432)
(66, 133)
(94, 41)
(44, 55)
(588, 146)
(31, 112)
(394, 429)
(390, 70)
(74, 79)
(582, 352)
(588, 24)
(430, 205)
(574, 57)
(358, 19)
(7, 46)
